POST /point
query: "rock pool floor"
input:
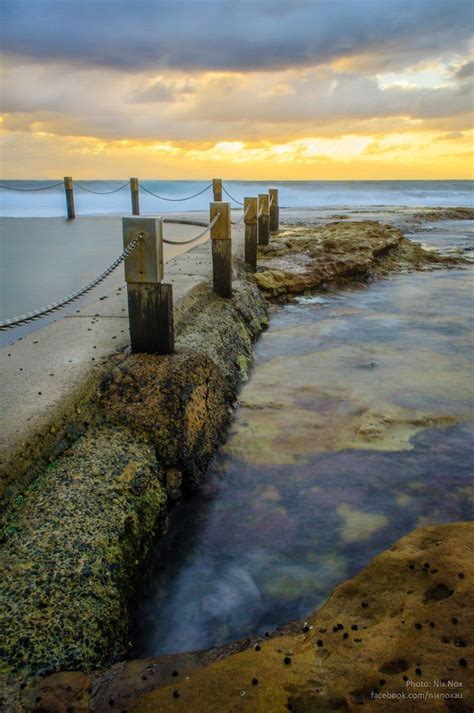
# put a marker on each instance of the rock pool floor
(354, 429)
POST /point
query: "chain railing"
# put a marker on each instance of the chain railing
(86, 189)
(135, 186)
(31, 190)
(230, 196)
(174, 200)
(101, 193)
(54, 306)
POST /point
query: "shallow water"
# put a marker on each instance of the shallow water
(355, 428)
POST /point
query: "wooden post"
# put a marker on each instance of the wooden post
(217, 188)
(221, 249)
(135, 199)
(251, 230)
(263, 211)
(68, 188)
(150, 302)
(274, 210)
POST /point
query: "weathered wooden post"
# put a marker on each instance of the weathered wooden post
(217, 188)
(68, 188)
(135, 198)
(221, 249)
(150, 302)
(251, 232)
(274, 210)
(263, 211)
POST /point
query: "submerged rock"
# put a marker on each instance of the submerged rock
(433, 215)
(388, 631)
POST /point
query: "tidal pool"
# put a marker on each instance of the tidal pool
(355, 428)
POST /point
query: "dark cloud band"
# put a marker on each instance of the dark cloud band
(224, 35)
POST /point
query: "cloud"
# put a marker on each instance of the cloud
(71, 100)
(162, 90)
(396, 156)
(177, 80)
(451, 136)
(228, 35)
(466, 71)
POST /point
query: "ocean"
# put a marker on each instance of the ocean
(292, 194)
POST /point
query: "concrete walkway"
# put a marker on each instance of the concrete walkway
(45, 375)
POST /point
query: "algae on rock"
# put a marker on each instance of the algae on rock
(71, 558)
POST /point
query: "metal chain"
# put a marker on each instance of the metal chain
(231, 197)
(192, 240)
(101, 193)
(30, 190)
(174, 200)
(36, 314)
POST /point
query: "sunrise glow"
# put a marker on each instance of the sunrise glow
(389, 108)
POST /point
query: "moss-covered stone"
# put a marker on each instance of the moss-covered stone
(72, 554)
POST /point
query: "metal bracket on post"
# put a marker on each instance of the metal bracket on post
(69, 190)
(251, 232)
(217, 188)
(221, 249)
(135, 196)
(263, 213)
(274, 210)
(150, 302)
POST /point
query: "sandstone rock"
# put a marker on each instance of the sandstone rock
(403, 623)
(178, 402)
(305, 258)
(437, 214)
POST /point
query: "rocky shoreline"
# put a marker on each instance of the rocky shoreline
(77, 539)
(308, 257)
(401, 624)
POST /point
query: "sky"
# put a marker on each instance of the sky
(188, 89)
